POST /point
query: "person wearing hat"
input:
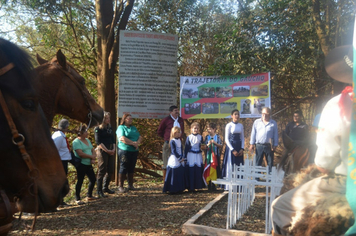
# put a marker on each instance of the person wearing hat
(332, 154)
(60, 140)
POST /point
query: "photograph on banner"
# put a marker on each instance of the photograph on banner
(148, 74)
(204, 97)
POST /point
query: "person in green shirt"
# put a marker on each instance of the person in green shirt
(129, 140)
(83, 148)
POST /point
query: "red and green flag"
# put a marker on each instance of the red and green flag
(210, 165)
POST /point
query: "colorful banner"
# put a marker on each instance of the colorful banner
(351, 173)
(216, 96)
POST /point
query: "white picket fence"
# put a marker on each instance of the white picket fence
(241, 184)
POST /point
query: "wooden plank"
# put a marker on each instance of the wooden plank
(193, 229)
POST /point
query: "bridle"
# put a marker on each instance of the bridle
(18, 140)
(66, 72)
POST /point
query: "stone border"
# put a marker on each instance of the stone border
(193, 229)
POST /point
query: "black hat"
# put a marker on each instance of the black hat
(339, 64)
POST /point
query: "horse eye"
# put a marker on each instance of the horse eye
(28, 105)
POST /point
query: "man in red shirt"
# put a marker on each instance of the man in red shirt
(164, 131)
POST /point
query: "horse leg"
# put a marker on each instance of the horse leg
(301, 159)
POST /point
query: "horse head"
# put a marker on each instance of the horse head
(62, 90)
(31, 172)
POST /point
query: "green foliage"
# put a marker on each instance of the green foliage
(288, 38)
(150, 154)
(281, 37)
(46, 26)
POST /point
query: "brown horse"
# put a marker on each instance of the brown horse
(32, 178)
(296, 156)
(62, 91)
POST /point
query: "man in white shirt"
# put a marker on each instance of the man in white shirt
(264, 136)
(60, 140)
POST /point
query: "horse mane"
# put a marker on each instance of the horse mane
(22, 63)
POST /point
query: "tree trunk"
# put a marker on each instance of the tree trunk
(111, 17)
(321, 28)
(148, 172)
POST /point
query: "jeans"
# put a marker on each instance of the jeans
(65, 166)
(127, 161)
(264, 149)
(83, 170)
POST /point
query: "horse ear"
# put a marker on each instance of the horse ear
(287, 141)
(62, 59)
(40, 60)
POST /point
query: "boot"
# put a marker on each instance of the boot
(106, 185)
(121, 183)
(130, 180)
(213, 187)
(209, 186)
(99, 185)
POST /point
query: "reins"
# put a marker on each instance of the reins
(18, 139)
(90, 115)
(6, 68)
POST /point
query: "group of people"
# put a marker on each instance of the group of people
(184, 169)
(128, 141)
(181, 169)
(183, 164)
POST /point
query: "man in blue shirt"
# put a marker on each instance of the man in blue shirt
(264, 136)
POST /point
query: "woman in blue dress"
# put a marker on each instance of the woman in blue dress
(175, 175)
(193, 155)
(235, 143)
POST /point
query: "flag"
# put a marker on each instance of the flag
(351, 170)
(210, 165)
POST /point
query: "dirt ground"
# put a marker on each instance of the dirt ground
(253, 220)
(145, 211)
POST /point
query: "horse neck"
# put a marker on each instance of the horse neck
(47, 89)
